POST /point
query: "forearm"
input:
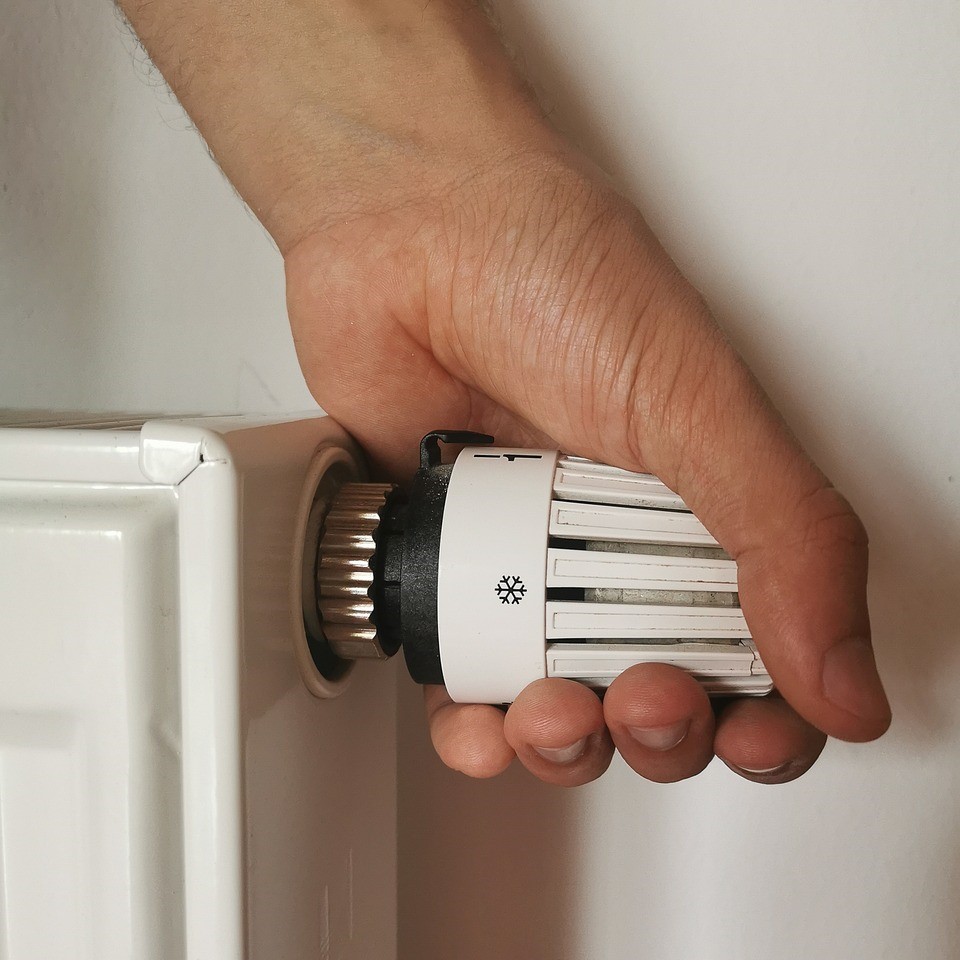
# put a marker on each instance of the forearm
(319, 111)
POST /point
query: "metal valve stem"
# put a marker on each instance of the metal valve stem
(345, 573)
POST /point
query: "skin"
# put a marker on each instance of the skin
(452, 261)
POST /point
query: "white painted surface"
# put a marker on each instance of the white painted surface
(91, 827)
(130, 276)
(801, 160)
(168, 787)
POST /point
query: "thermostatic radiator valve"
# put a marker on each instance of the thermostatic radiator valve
(510, 565)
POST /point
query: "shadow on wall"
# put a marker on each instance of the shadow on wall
(485, 866)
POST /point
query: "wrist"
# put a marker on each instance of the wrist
(321, 112)
(439, 103)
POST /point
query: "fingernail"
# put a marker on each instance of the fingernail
(851, 682)
(763, 771)
(660, 738)
(563, 754)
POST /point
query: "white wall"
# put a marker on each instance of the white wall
(130, 276)
(801, 160)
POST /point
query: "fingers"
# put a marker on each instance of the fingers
(658, 717)
(468, 737)
(803, 592)
(557, 730)
(555, 727)
(766, 741)
(661, 722)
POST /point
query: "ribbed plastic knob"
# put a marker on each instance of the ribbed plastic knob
(512, 565)
(555, 566)
(344, 572)
(656, 586)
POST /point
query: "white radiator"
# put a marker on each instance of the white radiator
(168, 786)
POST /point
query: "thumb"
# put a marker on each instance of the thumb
(665, 392)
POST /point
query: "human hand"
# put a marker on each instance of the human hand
(530, 301)
(451, 261)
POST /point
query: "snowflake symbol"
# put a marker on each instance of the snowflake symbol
(510, 589)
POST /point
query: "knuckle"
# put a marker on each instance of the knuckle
(826, 520)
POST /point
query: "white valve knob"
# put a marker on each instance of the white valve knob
(555, 566)
(513, 565)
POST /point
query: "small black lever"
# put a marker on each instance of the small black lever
(430, 455)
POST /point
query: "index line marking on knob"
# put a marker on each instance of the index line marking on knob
(509, 457)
